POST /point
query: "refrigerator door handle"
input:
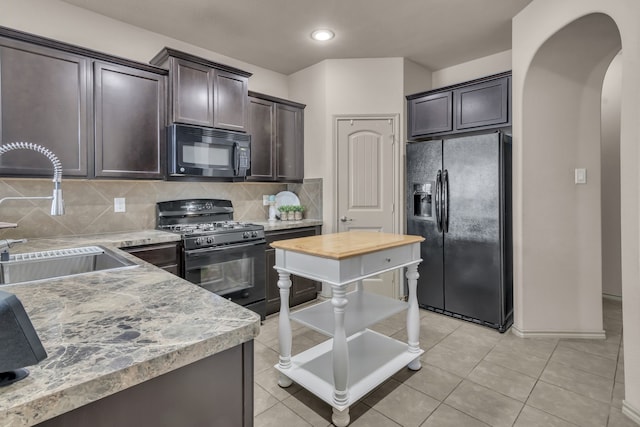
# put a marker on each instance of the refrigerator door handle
(445, 201)
(439, 201)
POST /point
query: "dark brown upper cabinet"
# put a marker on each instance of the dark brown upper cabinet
(482, 104)
(277, 139)
(129, 107)
(205, 93)
(431, 114)
(476, 105)
(101, 115)
(262, 128)
(43, 99)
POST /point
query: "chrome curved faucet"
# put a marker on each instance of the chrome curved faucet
(57, 204)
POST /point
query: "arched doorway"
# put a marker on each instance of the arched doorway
(557, 265)
(561, 236)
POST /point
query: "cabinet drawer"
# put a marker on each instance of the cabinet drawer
(273, 236)
(158, 255)
(389, 258)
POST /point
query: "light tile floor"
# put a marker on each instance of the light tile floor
(471, 376)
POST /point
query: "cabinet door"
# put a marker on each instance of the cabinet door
(483, 104)
(43, 99)
(230, 101)
(430, 114)
(129, 122)
(271, 275)
(302, 289)
(262, 129)
(289, 143)
(163, 255)
(192, 88)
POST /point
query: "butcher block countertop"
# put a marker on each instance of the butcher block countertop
(346, 245)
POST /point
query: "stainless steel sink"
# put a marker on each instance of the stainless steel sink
(31, 266)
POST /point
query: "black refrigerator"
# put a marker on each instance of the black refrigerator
(459, 199)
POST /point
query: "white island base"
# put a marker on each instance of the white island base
(343, 369)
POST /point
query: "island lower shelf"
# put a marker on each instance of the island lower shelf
(373, 358)
(363, 309)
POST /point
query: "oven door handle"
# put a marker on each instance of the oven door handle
(205, 251)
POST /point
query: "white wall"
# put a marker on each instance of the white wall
(610, 161)
(532, 28)
(485, 66)
(71, 24)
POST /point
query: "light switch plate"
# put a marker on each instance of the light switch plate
(581, 176)
(265, 200)
(119, 204)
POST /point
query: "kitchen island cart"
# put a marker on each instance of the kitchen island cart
(354, 360)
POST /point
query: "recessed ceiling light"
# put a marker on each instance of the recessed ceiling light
(322, 35)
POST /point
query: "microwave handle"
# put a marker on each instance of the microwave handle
(236, 159)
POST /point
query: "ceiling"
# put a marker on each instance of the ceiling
(274, 34)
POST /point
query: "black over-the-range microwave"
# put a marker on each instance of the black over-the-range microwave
(196, 151)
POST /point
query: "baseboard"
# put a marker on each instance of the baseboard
(593, 335)
(631, 412)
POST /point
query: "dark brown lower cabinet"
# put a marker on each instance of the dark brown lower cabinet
(215, 391)
(163, 255)
(302, 289)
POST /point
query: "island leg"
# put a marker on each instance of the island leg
(413, 316)
(340, 357)
(284, 327)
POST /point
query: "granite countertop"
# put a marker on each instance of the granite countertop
(285, 225)
(107, 331)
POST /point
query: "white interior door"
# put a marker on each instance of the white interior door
(367, 184)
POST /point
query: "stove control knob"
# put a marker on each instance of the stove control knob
(208, 205)
(199, 241)
(209, 240)
(254, 234)
(246, 235)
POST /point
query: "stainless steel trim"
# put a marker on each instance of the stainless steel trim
(445, 210)
(439, 201)
(208, 250)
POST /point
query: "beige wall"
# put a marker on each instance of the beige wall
(610, 164)
(71, 24)
(477, 68)
(343, 87)
(540, 304)
(416, 78)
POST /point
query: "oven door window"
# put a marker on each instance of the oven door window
(235, 269)
(227, 277)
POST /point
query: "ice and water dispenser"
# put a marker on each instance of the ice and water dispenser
(422, 201)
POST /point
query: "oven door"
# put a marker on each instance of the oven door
(234, 271)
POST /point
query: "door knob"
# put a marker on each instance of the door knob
(345, 219)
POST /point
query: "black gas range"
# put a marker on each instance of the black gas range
(219, 254)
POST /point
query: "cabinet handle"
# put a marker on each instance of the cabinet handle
(345, 219)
